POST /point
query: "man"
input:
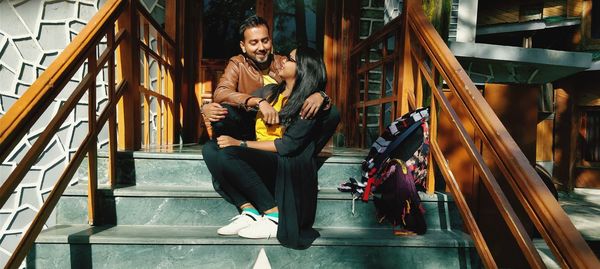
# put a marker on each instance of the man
(255, 67)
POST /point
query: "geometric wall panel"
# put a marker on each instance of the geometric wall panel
(32, 34)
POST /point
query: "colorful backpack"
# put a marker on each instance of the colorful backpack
(394, 170)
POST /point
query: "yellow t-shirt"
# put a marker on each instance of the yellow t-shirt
(268, 80)
(271, 132)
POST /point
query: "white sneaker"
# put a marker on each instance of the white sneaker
(262, 228)
(238, 222)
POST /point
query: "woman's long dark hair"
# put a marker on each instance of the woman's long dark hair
(311, 77)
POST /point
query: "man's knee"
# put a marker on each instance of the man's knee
(237, 123)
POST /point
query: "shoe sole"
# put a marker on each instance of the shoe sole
(258, 237)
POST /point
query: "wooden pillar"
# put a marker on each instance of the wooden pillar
(565, 135)
(345, 97)
(186, 30)
(264, 9)
(405, 76)
(174, 20)
(129, 105)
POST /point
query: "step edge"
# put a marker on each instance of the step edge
(53, 236)
(200, 192)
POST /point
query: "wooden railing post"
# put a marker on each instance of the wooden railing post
(174, 86)
(112, 120)
(405, 82)
(128, 54)
(93, 148)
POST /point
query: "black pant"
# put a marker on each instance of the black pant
(242, 175)
(245, 175)
(238, 124)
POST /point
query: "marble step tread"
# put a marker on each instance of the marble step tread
(199, 192)
(207, 235)
(352, 156)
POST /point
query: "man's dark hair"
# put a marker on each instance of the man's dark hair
(251, 22)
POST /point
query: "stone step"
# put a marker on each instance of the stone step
(162, 205)
(123, 246)
(186, 167)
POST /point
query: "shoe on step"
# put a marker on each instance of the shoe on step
(238, 222)
(262, 228)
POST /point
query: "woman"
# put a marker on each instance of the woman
(276, 175)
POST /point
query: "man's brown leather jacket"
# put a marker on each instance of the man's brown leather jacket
(241, 77)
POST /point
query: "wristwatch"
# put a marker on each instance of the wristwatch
(244, 144)
(326, 99)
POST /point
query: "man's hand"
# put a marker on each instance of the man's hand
(311, 106)
(270, 115)
(214, 112)
(227, 141)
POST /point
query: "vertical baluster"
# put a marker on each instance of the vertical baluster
(365, 93)
(433, 118)
(170, 93)
(159, 109)
(146, 85)
(432, 139)
(92, 149)
(419, 88)
(406, 68)
(112, 119)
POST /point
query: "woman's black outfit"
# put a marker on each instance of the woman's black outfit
(290, 174)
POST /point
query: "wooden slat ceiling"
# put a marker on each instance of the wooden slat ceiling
(511, 11)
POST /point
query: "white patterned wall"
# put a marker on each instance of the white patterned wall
(32, 34)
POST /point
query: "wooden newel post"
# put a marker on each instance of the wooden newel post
(128, 54)
(405, 76)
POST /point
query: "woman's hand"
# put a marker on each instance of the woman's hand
(214, 112)
(270, 115)
(311, 106)
(227, 141)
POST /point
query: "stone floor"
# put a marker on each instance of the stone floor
(583, 207)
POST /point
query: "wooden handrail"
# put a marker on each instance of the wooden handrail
(50, 83)
(508, 213)
(463, 207)
(27, 110)
(61, 184)
(542, 209)
(39, 96)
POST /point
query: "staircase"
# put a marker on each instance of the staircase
(164, 214)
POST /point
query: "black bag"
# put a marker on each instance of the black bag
(397, 200)
(394, 169)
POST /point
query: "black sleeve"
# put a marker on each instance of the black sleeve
(296, 137)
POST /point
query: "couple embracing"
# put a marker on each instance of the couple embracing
(270, 119)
